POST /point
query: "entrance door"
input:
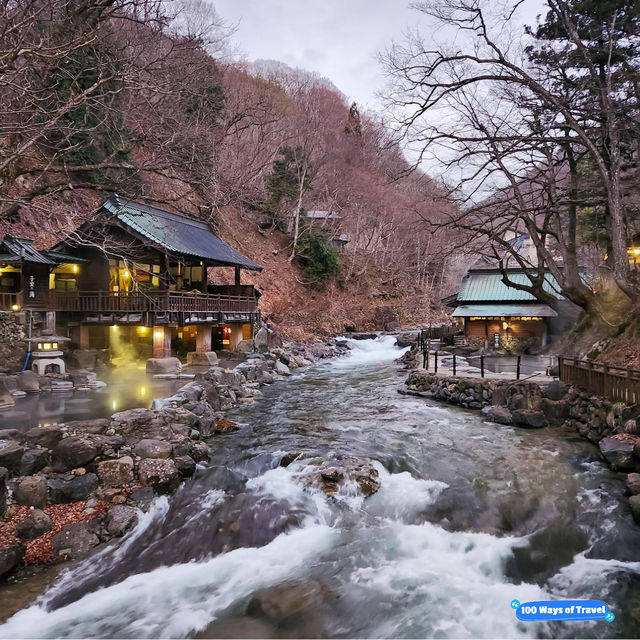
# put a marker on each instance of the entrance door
(216, 338)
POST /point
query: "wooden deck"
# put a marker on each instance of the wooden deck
(165, 301)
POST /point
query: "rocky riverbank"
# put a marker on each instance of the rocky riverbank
(613, 426)
(67, 489)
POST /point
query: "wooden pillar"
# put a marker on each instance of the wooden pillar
(161, 342)
(80, 335)
(237, 281)
(204, 278)
(203, 338)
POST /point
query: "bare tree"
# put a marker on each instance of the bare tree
(526, 115)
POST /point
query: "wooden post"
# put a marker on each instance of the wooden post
(427, 354)
(482, 366)
(425, 358)
(518, 368)
(237, 276)
(435, 366)
(454, 364)
(560, 368)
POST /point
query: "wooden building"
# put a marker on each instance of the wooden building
(499, 316)
(138, 275)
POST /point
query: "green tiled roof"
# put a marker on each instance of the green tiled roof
(177, 234)
(506, 310)
(487, 286)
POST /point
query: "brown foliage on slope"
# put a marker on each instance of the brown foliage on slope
(177, 128)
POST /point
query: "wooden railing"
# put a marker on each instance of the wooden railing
(614, 383)
(136, 301)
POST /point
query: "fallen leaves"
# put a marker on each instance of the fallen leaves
(39, 550)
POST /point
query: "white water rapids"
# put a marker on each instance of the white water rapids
(469, 516)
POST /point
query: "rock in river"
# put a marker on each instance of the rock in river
(618, 453)
(10, 558)
(75, 540)
(120, 519)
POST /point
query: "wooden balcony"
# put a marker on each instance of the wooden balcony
(156, 301)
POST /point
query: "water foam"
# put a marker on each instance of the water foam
(382, 349)
(442, 584)
(175, 601)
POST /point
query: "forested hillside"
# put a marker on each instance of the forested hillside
(141, 98)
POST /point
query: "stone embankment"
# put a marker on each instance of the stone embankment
(614, 427)
(66, 489)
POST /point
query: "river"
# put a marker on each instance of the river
(470, 515)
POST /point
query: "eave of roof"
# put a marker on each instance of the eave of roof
(506, 310)
(177, 234)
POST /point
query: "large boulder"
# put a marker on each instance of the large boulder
(66, 489)
(280, 603)
(74, 452)
(75, 540)
(115, 473)
(4, 474)
(28, 381)
(555, 390)
(331, 475)
(529, 419)
(31, 491)
(244, 346)
(633, 484)
(202, 358)
(12, 434)
(33, 460)
(282, 369)
(618, 453)
(47, 437)
(97, 426)
(185, 465)
(10, 455)
(6, 399)
(556, 411)
(34, 525)
(147, 448)
(162, 475)
(498, 414)
(403, 340)
(10, 558)
(120, 519)
(164, 366)
(142, 423)
(634, 505)
(266, 339)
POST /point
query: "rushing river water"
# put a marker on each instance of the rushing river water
(469, 516)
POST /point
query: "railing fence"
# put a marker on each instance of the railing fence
(614, 383)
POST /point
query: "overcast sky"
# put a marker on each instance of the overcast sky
(337, 38)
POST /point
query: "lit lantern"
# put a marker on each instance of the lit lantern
(75, 268)
(15, 307)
